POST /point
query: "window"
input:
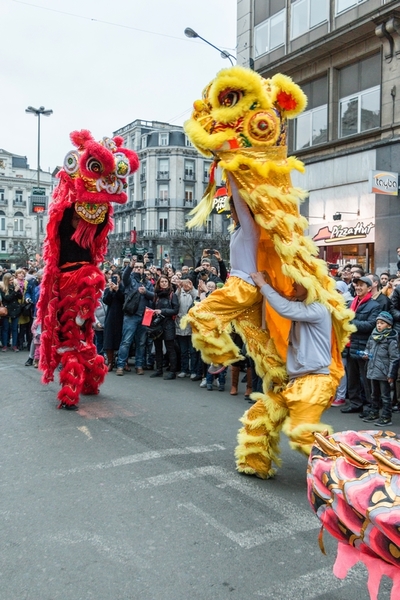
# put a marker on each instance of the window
(163, 167)
(360, 96)
(2, 196)
(18, 222)
(144, 194)
(189, 169)
(163, 191)
(3, 245)
(163, 222)
(270, 34)
(163, 139)
(189, 193)
(18, 196)
(206, 174)
(143, 141)
(307, 14)
(208, 226)
(311, 127)
(2, 221)
(342, 5)
(187, 141)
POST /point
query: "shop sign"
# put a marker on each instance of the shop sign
(343, 233)
(384, 182)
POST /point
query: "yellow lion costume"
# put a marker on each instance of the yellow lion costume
(241, 122)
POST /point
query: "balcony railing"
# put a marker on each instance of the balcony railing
(3, 202)
(189, 176)
(138, 204)
(20, 203)
(163, 175)
(189, 203)
(162, 201)
(19, 234)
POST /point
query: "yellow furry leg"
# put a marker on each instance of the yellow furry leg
(258, 440)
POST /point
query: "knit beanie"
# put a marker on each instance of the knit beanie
(385, 316)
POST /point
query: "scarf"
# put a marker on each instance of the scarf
(357, 302)
(378, 336)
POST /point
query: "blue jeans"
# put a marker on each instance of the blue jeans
(6, 331)
(131, 325)
(98, 340)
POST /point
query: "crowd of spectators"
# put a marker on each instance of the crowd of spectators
(167, 350)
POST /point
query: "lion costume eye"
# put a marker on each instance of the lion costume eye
(71, 162)
(94, 165)
(229, 97)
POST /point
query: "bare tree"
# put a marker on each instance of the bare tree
(22, 252)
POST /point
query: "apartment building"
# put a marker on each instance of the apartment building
(345, 54)
(170, 182)
(19, 198)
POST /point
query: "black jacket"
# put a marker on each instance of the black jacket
(395, 308)
(131, 283)
(168, 304)
(364, 320)
(10, 300)
(384, 360)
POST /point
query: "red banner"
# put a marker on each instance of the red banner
(133, 236)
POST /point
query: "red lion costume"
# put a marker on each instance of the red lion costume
(80, 219)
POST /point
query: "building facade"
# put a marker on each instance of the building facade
(170, 182)
(345, 54)
(19, 236)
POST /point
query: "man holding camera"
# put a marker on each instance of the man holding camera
(133, 323)
(203, 268)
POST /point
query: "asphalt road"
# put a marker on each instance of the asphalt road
(136, 497)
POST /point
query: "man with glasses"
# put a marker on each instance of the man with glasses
(133, 279)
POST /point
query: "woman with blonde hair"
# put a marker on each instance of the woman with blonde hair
(10, 293)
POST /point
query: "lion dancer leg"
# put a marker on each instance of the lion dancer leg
(83, 370)
(71, 380)
(258, 440)
(307, 398)
(94, 371)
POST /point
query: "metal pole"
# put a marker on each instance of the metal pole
(38, 184)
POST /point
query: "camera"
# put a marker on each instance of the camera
(140, 257)
(114, 279)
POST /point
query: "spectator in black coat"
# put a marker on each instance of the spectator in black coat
(366, 311)
(113, 298)
(166, 303)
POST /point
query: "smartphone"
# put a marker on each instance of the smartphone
(114, 279)
(211, 252)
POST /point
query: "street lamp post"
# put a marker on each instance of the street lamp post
(190, 33)
(37, 112)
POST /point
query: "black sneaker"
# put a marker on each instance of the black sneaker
(383, 421)
(371, 417)
(29, 362)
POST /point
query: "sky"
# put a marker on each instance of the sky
(100, 65)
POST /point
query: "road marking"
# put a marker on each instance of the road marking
(143, 456)
(312, 585)
(86, 431)
(115, 550)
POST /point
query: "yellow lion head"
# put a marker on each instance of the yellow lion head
(241, 109)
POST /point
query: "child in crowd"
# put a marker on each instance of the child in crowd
(382, 350)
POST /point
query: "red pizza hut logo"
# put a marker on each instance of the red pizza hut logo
(340, 233)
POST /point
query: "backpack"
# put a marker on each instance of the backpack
(131, 303)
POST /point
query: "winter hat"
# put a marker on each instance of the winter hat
(342, 287)
(367, 281)
(385, 316)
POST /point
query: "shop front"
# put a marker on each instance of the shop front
(346, 242)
